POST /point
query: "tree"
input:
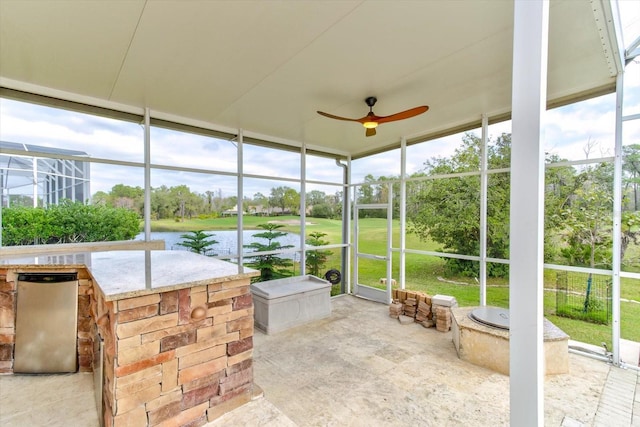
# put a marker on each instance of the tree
(180, 196)
(121, 190)
(276, 199)
(375, 190)
(447, 210)
(271, 266)
(316, 259)
(292, 200)
(161, 203)
(209, 200)
(336, 203)
(322, 210)
(125, 196)
(184, 202)
(260, 199)
(631, 174)
(560, 186)
(315, 197)
(198, 241)
(588, 219)
(100, 198)
(630, 232)
(365, 191)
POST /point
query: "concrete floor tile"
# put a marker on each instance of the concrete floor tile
(360, 368)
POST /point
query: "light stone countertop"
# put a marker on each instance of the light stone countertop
(126, 274)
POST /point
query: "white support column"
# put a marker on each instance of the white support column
(147, 196)
(345, 253)
(389, 253)
(239, 198)
(303, 209)
(403, 212)
(484, 186)
(147, 175)
(617, 225)
(530, 44)
(346, 216)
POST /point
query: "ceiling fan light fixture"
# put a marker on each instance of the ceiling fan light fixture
(371, 121)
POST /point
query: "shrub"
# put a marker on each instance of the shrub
(67, 222)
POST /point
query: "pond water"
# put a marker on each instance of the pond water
(227, 240)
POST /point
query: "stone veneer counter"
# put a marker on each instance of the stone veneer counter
(177, 330)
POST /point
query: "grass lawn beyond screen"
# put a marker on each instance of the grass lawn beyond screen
(427, 273)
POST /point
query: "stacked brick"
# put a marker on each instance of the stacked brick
(413, 305)
(423, 314)
(442, 305)
(177, 358)
(410, 307)
(395, 310)
(443, 318)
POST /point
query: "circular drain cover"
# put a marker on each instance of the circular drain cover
(491, 316)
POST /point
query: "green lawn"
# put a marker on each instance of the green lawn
(333, 228)
(427, 273)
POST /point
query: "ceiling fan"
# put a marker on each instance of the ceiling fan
(371, 121)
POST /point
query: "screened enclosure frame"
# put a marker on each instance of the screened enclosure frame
(66, 156)
(49, 179)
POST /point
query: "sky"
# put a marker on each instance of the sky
(567, 131)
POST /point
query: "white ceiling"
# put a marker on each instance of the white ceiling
(267, 66)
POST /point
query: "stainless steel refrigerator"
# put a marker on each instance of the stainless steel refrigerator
(46, 323)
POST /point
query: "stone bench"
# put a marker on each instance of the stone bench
(285, 303)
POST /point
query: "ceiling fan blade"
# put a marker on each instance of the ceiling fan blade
(331, 116)
(403, 114)
(370, 132)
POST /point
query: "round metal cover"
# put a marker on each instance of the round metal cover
(491, 316)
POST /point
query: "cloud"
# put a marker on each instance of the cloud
(567, 131)
(49, 127)
(183, 149)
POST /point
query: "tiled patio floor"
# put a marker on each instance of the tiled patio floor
(361, 368)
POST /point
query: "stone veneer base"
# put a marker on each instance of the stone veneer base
(182, 357)
(489, 347)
